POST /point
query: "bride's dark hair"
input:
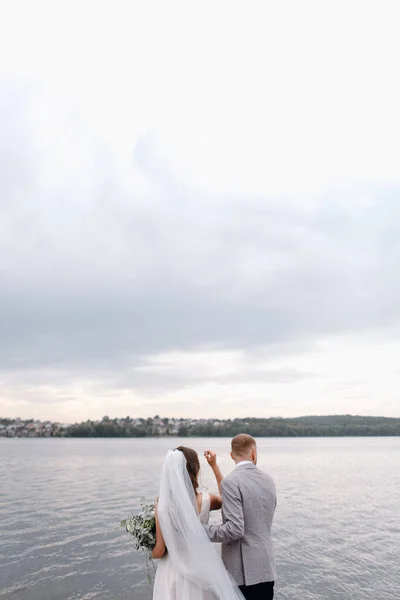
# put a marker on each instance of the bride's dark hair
(192, 464)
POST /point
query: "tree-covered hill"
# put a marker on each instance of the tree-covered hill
(308, 426)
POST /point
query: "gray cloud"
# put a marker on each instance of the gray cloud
(101, 266)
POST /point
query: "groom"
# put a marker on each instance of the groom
(248, 506)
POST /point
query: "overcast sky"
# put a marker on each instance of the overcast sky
(199, 209)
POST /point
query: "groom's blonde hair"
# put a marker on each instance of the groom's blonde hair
(242, 445)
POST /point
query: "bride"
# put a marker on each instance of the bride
(190, 567)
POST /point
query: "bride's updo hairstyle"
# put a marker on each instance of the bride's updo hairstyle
(192, 464)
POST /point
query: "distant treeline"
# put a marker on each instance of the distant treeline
(312, 426)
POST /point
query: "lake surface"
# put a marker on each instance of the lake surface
(337, 525)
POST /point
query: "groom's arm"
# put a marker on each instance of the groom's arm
(233, 528)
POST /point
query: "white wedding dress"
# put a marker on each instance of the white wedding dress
(167, 584)
(192, 568)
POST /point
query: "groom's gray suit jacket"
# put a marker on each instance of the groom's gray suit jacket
(248, 507)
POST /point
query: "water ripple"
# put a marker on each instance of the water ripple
(336, 528)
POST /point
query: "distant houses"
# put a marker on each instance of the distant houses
(31, 428)
(105, 427)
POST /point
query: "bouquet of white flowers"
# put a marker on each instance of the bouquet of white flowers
(142, 526)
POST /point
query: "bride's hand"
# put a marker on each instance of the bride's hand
(211, 457)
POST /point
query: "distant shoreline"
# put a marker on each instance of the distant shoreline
(158, 427)
(178, 437)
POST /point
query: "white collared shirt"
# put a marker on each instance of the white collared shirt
(244, 462)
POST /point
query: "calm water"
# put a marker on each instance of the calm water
(337, 527)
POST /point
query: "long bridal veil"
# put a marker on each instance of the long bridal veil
(200, 572)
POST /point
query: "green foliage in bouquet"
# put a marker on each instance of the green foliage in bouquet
(142, 527)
